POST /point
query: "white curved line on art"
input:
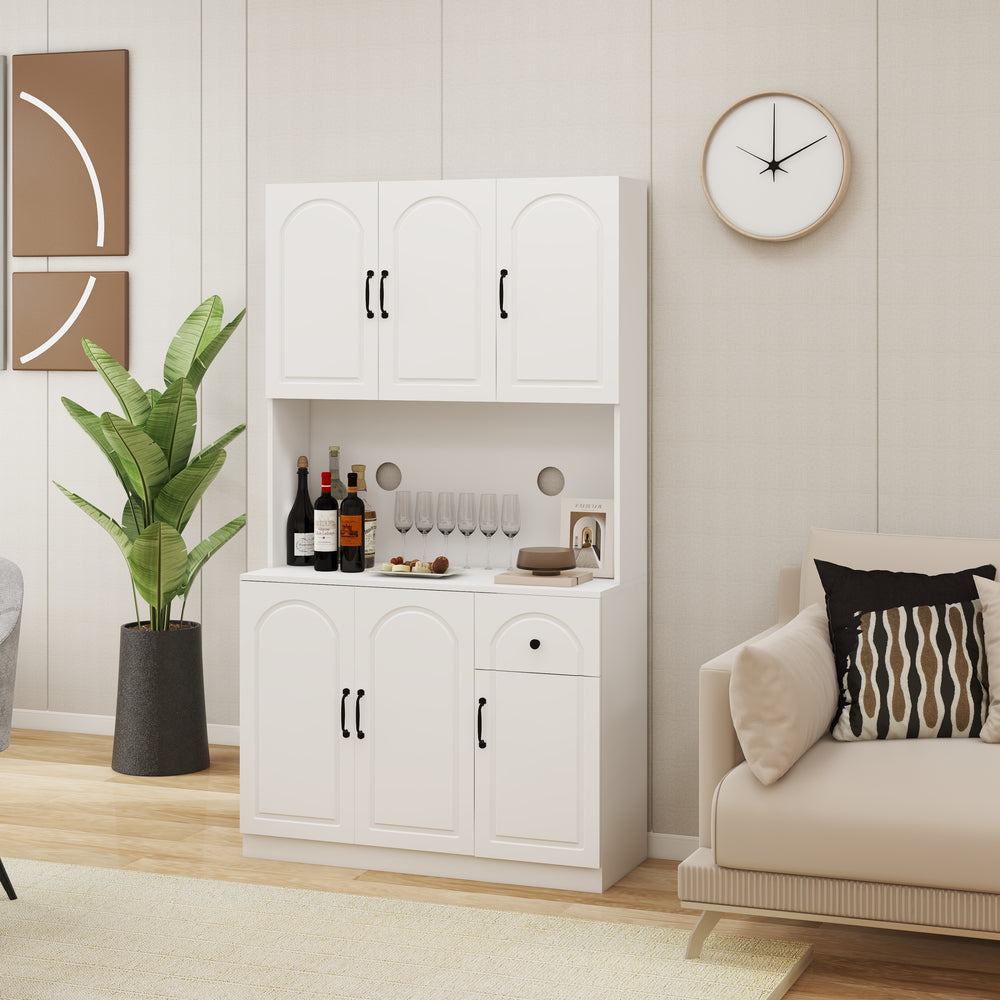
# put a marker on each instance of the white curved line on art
(60, 333)
(84, 155)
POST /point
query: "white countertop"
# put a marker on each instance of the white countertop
(476, 580)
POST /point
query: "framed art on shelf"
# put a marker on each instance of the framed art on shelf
(586, 529)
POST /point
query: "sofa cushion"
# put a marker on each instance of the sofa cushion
(908, 812)
(915, 672)
(783, 693)
(989, 595)
(851, 592)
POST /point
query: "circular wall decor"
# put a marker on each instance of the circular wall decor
(775, 166)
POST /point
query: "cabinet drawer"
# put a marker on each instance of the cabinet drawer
(538, 635)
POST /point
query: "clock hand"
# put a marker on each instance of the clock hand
(754, 155)
(806, 146)
(774, 119)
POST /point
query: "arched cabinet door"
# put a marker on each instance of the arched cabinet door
(297, 652)
(415, 767)
(437, 247)
(557, 260)
(321, 322)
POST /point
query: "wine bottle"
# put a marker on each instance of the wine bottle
(325, 525)
(352, 529)
(337, 488)
(299, 528)
(371, 518)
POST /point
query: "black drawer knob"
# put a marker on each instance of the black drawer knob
(535, 643)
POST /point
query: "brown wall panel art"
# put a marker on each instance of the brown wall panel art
(54, 310)
(70, 154)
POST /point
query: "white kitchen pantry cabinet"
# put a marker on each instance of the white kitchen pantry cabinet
(506, 290)
(452, 726)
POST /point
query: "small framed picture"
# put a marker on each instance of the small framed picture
(586, 529)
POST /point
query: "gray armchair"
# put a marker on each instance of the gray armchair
(11, 598)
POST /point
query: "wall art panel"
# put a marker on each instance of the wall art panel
(53, 310)
(70, 154)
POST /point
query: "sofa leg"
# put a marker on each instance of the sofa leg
(704, 927)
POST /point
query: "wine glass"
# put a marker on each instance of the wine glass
(425, 516)
(510, 521)
(403, 516)
(467, 519)
(489, 521)
(446, 514)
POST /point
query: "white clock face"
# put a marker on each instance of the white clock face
(775, 166)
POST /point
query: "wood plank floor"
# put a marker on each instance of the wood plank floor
(62, 802)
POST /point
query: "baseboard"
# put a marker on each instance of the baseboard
(670, 846)
(102, 725)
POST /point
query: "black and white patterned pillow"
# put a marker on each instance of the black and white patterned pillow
(915, 672)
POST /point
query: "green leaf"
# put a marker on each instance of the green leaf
(111, 526)
(153, 395)
(133, 517)
(207, 548)
(142, 461)
(177, 500)
(194, 334)
(172, 423)
(210, 350)
(128, 392)
(158, 562)
(91, 424)
(220, 442)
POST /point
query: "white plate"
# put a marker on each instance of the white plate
(419, 576)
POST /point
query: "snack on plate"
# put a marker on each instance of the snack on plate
(401, 568)
(440, 565)
(421, 567)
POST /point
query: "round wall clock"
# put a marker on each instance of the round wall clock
(775, 166)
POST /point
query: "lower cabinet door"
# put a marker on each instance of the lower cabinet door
(538, 767)
(414, 764)
(297, 654)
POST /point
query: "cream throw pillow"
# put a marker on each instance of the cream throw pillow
(783, 693)
(989, 597)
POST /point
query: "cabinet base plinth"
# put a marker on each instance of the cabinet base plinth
(426, 863)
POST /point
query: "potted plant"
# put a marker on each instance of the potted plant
(160, 724)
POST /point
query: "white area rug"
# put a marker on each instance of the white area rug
(91, 933)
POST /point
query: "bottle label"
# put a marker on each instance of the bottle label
(304, 543)
(370, 523)
(325, 530)
(352, 532)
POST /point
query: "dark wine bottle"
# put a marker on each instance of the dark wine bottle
(325, 526)
(299, 528)
(352, 529)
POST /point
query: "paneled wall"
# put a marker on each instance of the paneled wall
(815, 382)
(187, 153)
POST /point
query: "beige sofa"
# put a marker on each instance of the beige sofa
(889, 833)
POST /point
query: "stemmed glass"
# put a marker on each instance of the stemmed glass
(446, 516)
(467, 519)
(403, 516)
(425, 516)
(489, 521)
(510, 521)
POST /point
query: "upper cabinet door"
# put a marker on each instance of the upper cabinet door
(557, 241)
(321, 243)
(437, 258)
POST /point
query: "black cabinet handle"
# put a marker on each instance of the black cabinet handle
(357, 714)
(344, 731)
(535, 643)
(479, 725)
(381, 294)
(368, 293)
(503, 274)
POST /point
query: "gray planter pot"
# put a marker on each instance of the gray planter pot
(160, 725)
